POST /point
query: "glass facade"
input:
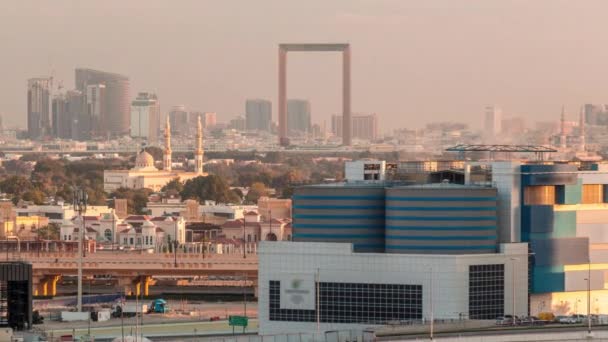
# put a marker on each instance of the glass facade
(486, 291)
(593, 194)
(353, 303)
(539, 195)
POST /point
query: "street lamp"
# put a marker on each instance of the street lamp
(513, 288)
(80, 198)
(175, 245)
(588, 279)
(113, 230)
(244, 241)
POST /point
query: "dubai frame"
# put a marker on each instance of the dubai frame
(345, 49)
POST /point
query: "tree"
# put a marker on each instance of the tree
(175, 184)
(34, 195)
(287, 192)
(205, 188)
(256, 191)
(50, 232)
(136, 199)
(16, 186)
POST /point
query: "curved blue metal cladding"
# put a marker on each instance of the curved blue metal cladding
(353, 214)
(450, 220)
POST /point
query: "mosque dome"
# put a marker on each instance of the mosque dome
(144, 161)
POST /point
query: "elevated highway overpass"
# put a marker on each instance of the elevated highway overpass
(133, 271)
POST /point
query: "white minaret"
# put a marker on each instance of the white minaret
(167, 154)
(562, 134)
(581, 126)
(198, 154)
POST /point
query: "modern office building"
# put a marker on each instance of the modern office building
(95, 122)
(298, 116)
(364, 127)
(116, 102)
(565, 219)
(39, 107)
(561, 211)
(16, 286)
(305, 286)
(238, 123)
(378, 217)
(209, 120)
(78, 114)
(179, 120)
(596, 114)
(258, 115)
(145, 117)
(493, 120)
(61, 122)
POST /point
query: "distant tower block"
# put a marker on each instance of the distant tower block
(167, 153)
(581, 127)
(345, 49)
(562, 131)
(198, 153)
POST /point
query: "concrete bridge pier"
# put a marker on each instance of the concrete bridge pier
(134, 286)
(45, 285)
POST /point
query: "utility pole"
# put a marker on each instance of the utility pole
(245, 295)
(589, 299)
(244, 241)
(175, 244)
(113, 230)
(80, 205)
(318, 306)
(431, 305)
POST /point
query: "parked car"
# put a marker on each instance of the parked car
(579, 318)
(565, 320)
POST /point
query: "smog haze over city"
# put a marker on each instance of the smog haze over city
(319, 170)
(413, 61)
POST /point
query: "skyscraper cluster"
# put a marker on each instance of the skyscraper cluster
(298, 116)
(98, 107)
(258, 115)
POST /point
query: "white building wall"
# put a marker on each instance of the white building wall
(334, 262)
(354, 171)
(506, 178)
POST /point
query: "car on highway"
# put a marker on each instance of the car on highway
(532, 320)
(507, 320)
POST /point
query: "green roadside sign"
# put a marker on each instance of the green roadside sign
(238, 321)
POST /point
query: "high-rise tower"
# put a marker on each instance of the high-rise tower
(581, 127)
(198, 154)
(38, 107)
(115, 119)
(562, 131)
(167, 154)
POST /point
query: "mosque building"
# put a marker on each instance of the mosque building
(146, 175)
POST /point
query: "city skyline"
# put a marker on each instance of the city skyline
(464, 60)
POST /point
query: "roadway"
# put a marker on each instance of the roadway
(187, 318)
(498, 331)
(169, 329)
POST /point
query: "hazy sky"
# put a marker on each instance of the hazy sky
(413, 61)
